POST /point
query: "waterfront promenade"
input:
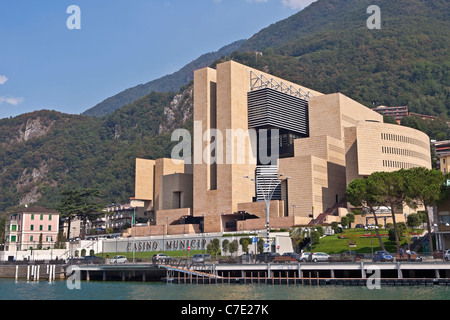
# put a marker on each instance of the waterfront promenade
(357, 273)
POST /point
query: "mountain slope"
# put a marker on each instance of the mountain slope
(328, 47)
(171, 82)
(67, 151)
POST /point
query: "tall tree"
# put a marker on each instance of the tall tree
(390, 191)
(423, 187)
(361, 193)
(79, 203)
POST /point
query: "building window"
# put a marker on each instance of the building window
(31, 238)
(49, 217)
(13, 227)
(32, 216)
(13, 238)
(40, 227)
(49, 228)
(32, 227)
(42, 217)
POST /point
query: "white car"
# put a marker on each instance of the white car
(305, 256)
(119, 259)
(316, 256)
(447, 255)
(320, 256)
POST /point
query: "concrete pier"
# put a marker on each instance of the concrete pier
(398, 273)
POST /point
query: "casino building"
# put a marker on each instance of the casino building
(255, 132)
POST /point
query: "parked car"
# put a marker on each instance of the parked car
(447, 255)
(382, 256)
(417, 257)
(91, 259)
(266, 257)
(293, 255)
(201, 258)
(119, 259)
(305, 256)
(316, 257)
(161, 257)
(320, 256)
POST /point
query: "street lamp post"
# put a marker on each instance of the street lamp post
(268, 193)
(371, 236)
(308, 230)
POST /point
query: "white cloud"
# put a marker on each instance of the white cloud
(297, 4)
(3, 79)
(11, 100)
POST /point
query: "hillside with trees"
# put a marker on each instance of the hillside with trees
(326, 47)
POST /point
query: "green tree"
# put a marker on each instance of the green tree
(361, 193)
(351, 218)
(40, 242)
(260, 245)
(244, 243)
(391, 192)
(80, 203)
(234, 246)
(225, 246)
(424, 187)
(413, 220)
(344, 221)
(213, 247)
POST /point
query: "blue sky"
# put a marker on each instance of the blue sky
(45, 65)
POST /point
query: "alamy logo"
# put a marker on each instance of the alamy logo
(234, 146)
(74, 21)
(374, 21)
(373, 282)
(74, 279)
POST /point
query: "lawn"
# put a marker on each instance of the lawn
(339, 243)
(148, 254)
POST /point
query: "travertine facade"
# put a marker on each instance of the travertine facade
(345, 140)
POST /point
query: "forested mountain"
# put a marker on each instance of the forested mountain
(167, 83)
(326, 47)
(65, 151)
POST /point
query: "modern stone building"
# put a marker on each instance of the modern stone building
(254, 132)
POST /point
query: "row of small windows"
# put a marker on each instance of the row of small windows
(398, 164)
(404, 152)
(399, 138)
(41, 217)
(41, 227)
(17, 238)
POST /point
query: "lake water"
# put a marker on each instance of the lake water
(58, 290)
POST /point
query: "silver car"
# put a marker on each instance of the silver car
(119, 259)
(447, 255)
(320, 256)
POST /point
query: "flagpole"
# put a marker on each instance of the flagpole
(134, 231)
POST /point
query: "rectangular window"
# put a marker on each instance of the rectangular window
(32, 216)
(42, 217)
(32, 227)
(13, 227)
(49, 228)
(41, 227)
(49, 217)
(13, 238)
(31, 238)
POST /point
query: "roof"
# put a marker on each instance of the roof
(37, 210)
